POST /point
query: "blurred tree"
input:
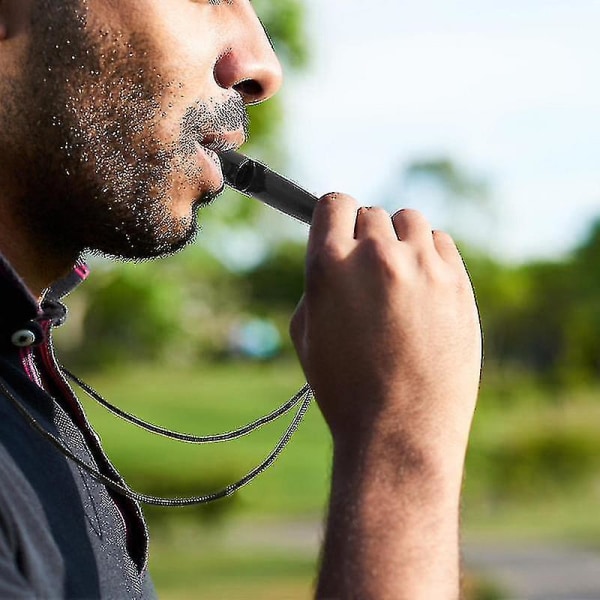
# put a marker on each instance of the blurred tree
(278, 281)
(542, 317)
(459, 197)
(456, 184)
(581, 360)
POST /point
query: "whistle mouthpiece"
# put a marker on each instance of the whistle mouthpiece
(255, 180)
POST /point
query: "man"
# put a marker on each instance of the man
(110, 115)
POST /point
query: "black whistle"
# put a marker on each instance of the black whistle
(255, 180)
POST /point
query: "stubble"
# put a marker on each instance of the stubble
(96, 169)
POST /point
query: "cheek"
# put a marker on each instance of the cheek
(181, 42)
(188, 39)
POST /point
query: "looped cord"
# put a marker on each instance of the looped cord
(303, 397)
(186, 437)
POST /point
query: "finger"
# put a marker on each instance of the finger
(446, 248)
(412, 226)
(333, 220)
(374, 222)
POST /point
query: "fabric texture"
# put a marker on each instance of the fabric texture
(62, 534)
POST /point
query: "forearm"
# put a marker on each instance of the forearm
(392, 529)
(389, 338)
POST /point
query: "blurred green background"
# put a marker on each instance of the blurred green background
(198, 343)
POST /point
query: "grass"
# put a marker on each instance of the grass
(533, 468)
(533, 471)
(189, 557)
(210, 400)
(210, 569)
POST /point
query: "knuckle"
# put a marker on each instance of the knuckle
(441, 274)
(380, 256)
(329, 252)
(375, 248)
(411, 219)
(456, 279)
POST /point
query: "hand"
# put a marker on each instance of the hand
(389, 338)
(388, 331)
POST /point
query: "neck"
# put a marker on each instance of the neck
(32, 259)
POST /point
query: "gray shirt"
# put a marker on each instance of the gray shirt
(62, 534)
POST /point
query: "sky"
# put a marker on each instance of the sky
(508, 90)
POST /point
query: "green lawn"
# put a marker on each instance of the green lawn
(533, 471)
(194, 563)
(213, 399)
(189, 558)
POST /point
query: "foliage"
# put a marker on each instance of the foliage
(478, 588)
(192, 563)
(141, 332)
(277, 283)
(543, 316)
(539, 464)
(452, 179)
(180, 312)
(285, 22)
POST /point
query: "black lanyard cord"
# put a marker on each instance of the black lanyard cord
(304, 397)
(186, 437)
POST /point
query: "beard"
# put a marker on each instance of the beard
(94, 164)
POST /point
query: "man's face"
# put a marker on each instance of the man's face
(111, 117)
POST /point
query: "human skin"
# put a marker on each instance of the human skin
(99, 152)
(103, 105)
(388, 334)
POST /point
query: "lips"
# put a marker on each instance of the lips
(206, 152)
(223, 141)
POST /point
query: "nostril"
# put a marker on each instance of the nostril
(250, 89)
(255, 75)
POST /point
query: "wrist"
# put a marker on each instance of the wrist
(393, 459)
(394, 504)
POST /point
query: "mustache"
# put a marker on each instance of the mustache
(202, 119)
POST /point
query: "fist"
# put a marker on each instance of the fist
(388, 330)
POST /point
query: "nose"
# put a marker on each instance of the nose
(249, 65)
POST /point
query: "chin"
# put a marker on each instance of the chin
(147, 239)
(141, 252)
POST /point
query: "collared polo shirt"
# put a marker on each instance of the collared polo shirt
(62, 534)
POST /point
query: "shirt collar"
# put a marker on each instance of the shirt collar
(20, 309)
(62, 287)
